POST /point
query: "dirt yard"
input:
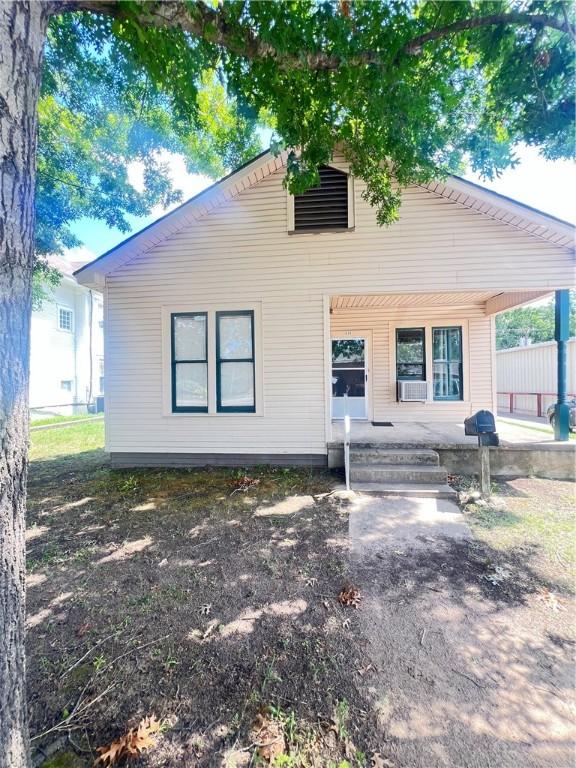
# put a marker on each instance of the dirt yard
(210, 600)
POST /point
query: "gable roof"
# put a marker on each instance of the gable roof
(466, 193)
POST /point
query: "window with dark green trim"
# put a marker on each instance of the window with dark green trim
(189, 357)
(447, 363)
(410, 354)
(235, 377)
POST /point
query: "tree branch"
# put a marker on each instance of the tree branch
(537, 21)
(211, 25)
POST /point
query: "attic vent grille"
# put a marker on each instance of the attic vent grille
(323, 207)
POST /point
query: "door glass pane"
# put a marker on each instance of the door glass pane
(190, 337)
(348, 353)
(235, 337)
(236, 384)
(191, 385)
(348, 382)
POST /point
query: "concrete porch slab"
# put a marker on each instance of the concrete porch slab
(442, 434)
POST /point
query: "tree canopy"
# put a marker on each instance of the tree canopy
(410, 90)
(98, 114)
(530, 325)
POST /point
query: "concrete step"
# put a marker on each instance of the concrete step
(397, 473)
(414, 490)
(376, 455)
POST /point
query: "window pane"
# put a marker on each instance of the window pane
(190, 337)
(447, 353)
(235, 337)
(411, 371)
(236, 385)
(348, 353)
(348, 382)
(455, 344)
(410, 345)
(191, 385)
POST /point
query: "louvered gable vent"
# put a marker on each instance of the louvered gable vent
(323, 207)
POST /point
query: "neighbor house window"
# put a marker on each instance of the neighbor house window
(410, 354)
(447, 360)
(189, 341)
(235, 380)
(66, 385)
(65, 319)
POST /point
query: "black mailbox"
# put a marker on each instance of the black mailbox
(483, 426)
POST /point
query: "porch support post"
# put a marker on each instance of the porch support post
(561, 334)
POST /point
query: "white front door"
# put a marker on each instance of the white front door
(350, 377)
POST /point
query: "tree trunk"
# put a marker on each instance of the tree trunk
(22, 34)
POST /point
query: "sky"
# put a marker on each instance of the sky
(548, 186)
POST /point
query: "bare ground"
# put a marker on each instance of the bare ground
(171, 592)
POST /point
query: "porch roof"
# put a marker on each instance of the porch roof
(491, 301)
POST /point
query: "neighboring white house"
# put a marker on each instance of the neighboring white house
(236, 323)
(527, 377)
(67, 347)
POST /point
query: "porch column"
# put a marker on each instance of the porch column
(561, 334)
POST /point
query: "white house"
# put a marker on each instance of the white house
(236, 323)
(67, 347)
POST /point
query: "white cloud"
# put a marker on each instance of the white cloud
(189, 183)
(80, 253)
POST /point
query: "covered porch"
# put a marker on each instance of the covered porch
(444, 344)
(414, 358)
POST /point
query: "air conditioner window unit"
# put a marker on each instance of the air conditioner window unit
(413, 391)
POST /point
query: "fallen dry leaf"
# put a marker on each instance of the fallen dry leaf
(132, 743)
(350, 596)
(268, 737)
(84, 628)
(244, 483)
(381, 762)
(550, 600)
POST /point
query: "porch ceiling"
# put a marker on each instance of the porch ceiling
(411, 300)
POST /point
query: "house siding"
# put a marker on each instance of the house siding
(241, 254)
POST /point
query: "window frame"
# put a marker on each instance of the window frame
(218, 361)
(174, 363)
(399, 329)
(61, 308)
(449, 398)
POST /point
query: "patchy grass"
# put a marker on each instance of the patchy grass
(179, 593)
(209, 598)
(59, 419)
(534, 518)
(69, 442)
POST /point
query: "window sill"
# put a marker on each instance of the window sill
(215, 414)
(333, 231)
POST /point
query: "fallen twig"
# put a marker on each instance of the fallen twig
(65, 723)
(88, 652)
(472, 680)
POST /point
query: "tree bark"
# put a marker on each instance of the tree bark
(22, 33)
